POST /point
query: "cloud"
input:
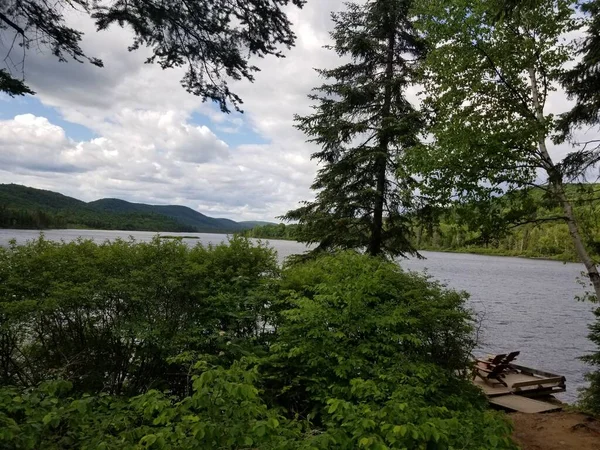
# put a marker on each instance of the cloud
(156, 143)
(148, 147)
(32, 144)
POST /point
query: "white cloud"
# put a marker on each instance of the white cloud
(148, 150)
(29, 144)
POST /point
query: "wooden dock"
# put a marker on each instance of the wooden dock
(514, 402)
(523, 383)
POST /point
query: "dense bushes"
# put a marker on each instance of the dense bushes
(126, 345)
(111, 317)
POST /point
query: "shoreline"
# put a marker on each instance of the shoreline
(471, 251)
(505, 254)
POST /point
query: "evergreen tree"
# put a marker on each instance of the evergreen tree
(583, 81)
(364, 125)
(212, 39)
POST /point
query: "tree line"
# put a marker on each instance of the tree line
(27, 218)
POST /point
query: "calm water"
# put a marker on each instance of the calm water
(526, 305)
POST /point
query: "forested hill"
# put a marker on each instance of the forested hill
(26, 207)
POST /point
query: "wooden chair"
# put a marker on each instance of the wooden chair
(502, 358)
(511, 357)
(495, 372)
(494, 368)
(491, 361)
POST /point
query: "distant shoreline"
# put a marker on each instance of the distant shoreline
(170, 235)
(75, 227)
(471, 251)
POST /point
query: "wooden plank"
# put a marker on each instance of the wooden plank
(490, 390)
(523, 404)
(539, 382)
(530, 370)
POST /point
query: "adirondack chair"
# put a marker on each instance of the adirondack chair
(495, 372)
(502, 358)
(491, 361)
(494, 368)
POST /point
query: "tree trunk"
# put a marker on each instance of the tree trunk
(556, 182)
(384, 141)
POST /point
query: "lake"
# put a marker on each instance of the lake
(523, 304)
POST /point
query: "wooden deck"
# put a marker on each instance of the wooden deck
(523, 383)
(522, 404)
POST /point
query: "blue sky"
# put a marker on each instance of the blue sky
(11, 107)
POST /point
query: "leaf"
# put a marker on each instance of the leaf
(273, 423)
(333, 406)
(148, 440)
(400, 429)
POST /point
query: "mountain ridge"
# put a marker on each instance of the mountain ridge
(27, 207)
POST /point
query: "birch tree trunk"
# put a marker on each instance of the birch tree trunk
(558, 189)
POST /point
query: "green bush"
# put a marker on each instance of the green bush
(349, 316)
(590, 396)
(163, 346)
(109, 317)
(224, 411)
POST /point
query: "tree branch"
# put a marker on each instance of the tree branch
(13, 25)
(546, 219)
(515, 92)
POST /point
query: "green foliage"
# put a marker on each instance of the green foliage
(366, 319)
(364, 124)
(590, 396)
(279, 231)
(582, 82)
(487, 84)
(224, 411)
(109, 317)
(164, 346)
(542, 234)
(212, 39)
(479, 77)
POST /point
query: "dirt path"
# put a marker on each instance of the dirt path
(556, 431)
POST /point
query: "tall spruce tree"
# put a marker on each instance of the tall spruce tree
(364, 125)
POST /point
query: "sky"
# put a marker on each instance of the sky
(130, 131)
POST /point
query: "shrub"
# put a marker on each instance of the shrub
(224, 411)
(110, 317)
(590, 396)
(343, 352)
(352, 316)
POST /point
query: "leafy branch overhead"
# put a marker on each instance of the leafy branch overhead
(487, 84)
(214, 40)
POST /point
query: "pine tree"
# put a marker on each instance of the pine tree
(214, 40)
(583, 81)
(364, 125)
